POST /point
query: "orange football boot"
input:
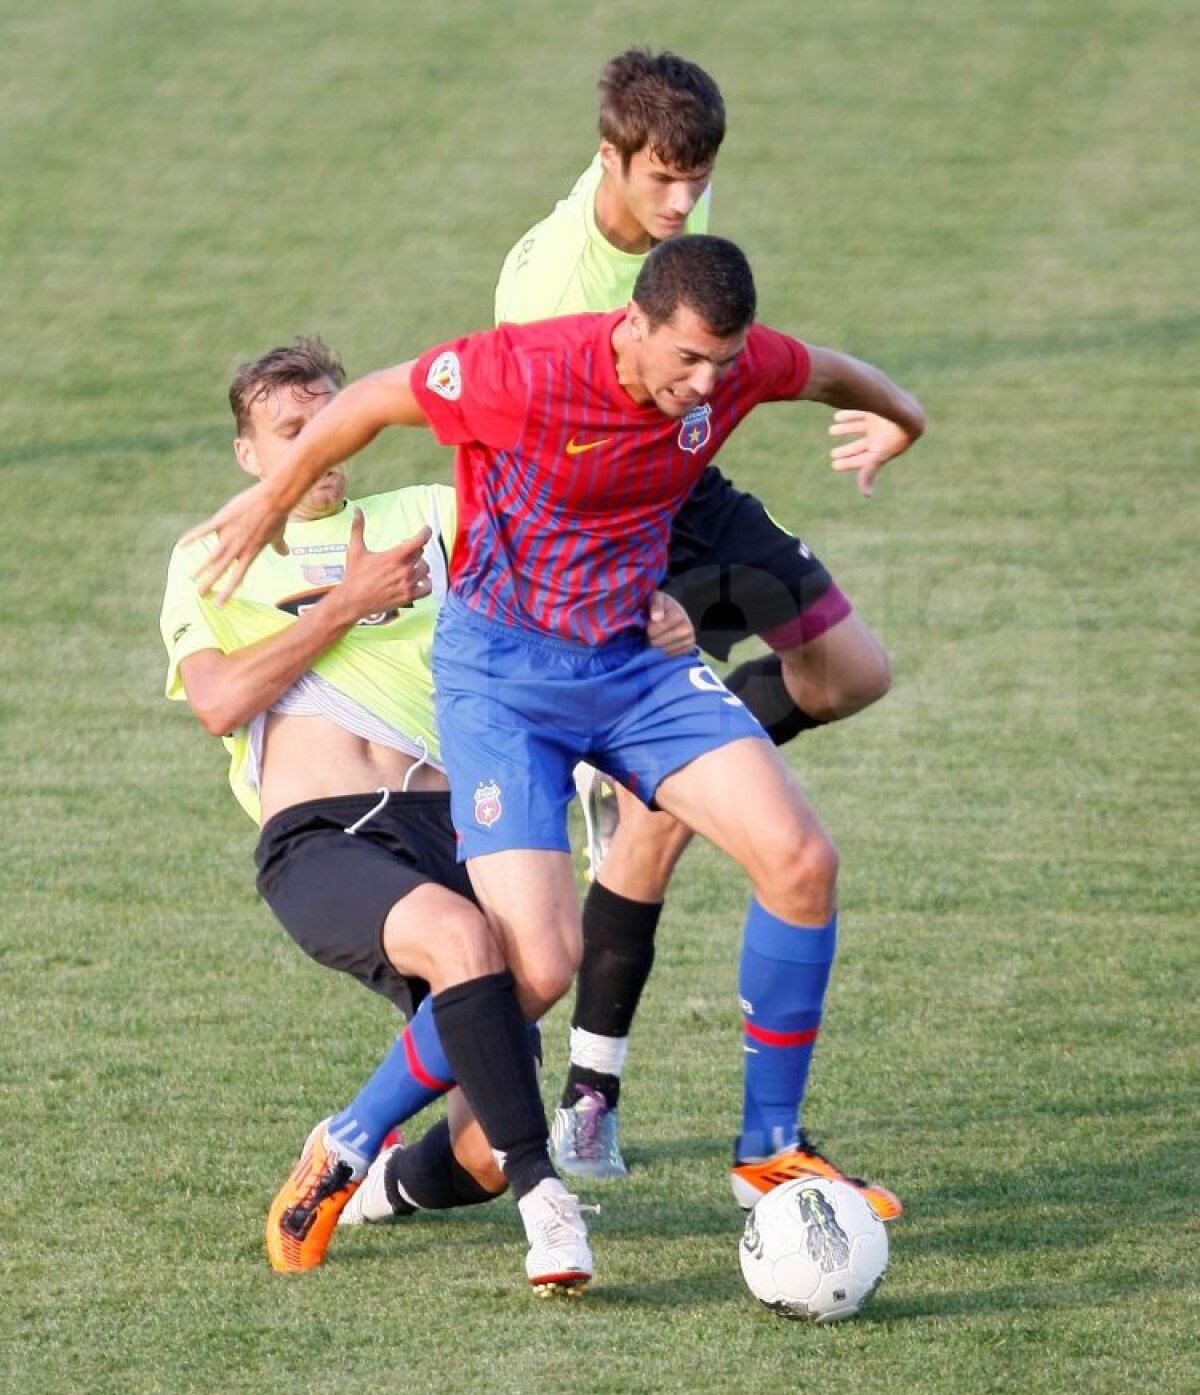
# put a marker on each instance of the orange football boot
(302, 1217)
(750, 1180)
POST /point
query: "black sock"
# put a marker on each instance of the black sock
(759, 683)
(618, 954)
(431, 1176)
(487, 1042)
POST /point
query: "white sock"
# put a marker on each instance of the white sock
(603, 1054)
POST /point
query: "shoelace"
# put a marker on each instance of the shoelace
(590, 1114)
(300, 1217)
(565, 1221)
(804, 1144)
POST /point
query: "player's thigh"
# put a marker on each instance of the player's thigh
(743, 798)
(840, 671)
(440, 936)
(645, 850)
(333, 890)
(531, 902)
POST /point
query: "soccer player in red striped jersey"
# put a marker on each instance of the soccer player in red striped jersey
(577, 440)
(736, 569)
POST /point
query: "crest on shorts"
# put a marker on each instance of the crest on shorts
(487, 804)
(695, 429)
(445, 376)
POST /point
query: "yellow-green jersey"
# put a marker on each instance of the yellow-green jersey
(564, 265)
(383, 664)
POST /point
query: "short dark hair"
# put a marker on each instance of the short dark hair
(309, 360)
(663, 103)
(707, 274)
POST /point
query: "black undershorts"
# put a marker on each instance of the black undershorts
(332, 889)
(738, 573)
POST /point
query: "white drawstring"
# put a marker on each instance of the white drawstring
(417, 764)
(384, 795)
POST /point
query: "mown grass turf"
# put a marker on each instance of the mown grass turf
(996, 205)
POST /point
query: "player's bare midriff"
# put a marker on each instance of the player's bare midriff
(312, 758)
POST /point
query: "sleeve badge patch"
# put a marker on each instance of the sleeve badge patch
(445, 376)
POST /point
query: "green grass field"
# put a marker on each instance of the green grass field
(999, 205)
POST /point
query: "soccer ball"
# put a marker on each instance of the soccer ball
(813, 1248)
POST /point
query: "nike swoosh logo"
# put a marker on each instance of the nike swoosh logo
(575, 447)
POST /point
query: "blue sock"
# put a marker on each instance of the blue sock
(413, 1074)
(782, 979)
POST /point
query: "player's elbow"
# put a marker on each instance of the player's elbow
(216, 724)
(916, 421)
(218, 717)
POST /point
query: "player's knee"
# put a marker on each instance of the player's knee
(465, 945)
(859, 684)
(837, 681)
(540, 985)
(871, 681)
(801, 878)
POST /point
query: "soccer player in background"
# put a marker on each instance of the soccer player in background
(317, 676)
(736, 570)
(577, 441)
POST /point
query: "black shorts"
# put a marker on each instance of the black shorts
(738, 573)
(332, 890)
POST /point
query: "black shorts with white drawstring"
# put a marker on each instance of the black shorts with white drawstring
(332, 869)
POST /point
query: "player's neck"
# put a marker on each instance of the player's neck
(615, 222)
(312, 513)
(627, 376)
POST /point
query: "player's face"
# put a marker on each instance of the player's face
(677, 365)
(651, 201)
(276, 419)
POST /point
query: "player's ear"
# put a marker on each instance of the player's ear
(635, 318)
(247, 457)
(610, 158)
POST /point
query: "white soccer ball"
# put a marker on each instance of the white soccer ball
(813, 1248)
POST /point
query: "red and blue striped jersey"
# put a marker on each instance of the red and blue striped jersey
(566, 486)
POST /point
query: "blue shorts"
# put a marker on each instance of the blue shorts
(518, 710)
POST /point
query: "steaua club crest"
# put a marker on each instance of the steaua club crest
(487, 804)
(695, 429)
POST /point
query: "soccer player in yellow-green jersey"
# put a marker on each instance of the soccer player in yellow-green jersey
(377, 674)
(316, 672)
(737, 572)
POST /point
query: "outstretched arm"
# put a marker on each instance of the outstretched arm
(226, 690)
(255, 517)
(885, 419)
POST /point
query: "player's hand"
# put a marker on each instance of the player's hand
(244, 526)
(879, 440)
(380, 581)
(668, 627)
